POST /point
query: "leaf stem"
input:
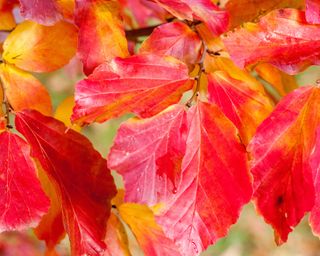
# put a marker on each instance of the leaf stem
(133, 34)
(198, 77)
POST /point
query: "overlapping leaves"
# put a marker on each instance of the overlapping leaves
(199, 118)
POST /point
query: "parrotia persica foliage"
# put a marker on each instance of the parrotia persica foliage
(219, 121)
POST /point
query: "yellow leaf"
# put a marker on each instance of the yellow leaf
(23, 90)
(38, 48)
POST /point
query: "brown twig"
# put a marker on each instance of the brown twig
(6, 104)
(198, 77)
(133, 34)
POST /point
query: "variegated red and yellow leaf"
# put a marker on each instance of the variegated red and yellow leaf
(281, 152)
(142, 84)
(38, 48)
(23, 90)
(101, 32)
(244, 106)
(282, 38)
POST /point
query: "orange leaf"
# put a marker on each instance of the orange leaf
(116, 238)
(101, 33)
(281, 151)
(38, 48)
(23, 90)
(282, 82)
(206, 11)
(64, 111)
(250, 10)
(142, 84)
(149, 234)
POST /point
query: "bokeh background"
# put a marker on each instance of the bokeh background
(250, 236)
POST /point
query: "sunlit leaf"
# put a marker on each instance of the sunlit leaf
(23, 90)
(149, 234)
(22, 201)
(38, 48)
(204, 10)
(101, 33)
(280, 151)
(282, 38)
(251, 10)
(245, 106)
(144, 85)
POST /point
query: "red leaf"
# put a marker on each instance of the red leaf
(315, 165)
(148, 154)
(79, 174)
(281, 149)
(175, 39)
(144, 85)
(204, 10)
(202, 206)
(22, 201)
(245, 105)
(101, 33)
(215, 182)
(282, 38)
(313, 11)
(44, 12)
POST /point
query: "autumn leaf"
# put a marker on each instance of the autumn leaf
(282, 38)
(50, 228)
(220, 63)
(80, 177)
(313, 11)
(23, 90)
(38, 48)
(64, 111)
(281, 151)
(245, 106)
(315, 166)
(116, 238)
(204, 10)
(175, 39)
(7, 21)
(280, 81)
(251, 10)
(142, 84)
(139, 13)
(190, 212)
(101, 32)
(23, 202)
(44, 12)
(149, 234)
(203, 208)
(148, 154)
